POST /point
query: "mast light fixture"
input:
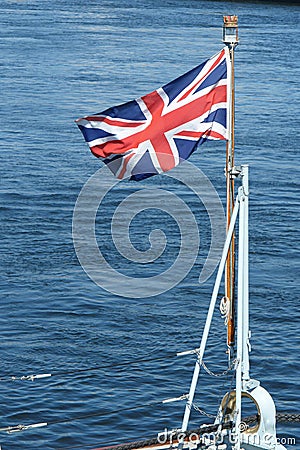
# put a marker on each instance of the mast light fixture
(230, 30)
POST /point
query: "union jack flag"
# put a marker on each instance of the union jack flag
(153, 133)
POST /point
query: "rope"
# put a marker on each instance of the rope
(16, 428)
(287, 417)
(224, 309)
(89, 369)
(251, 419)
(33, 377)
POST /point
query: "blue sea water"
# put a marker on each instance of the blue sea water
(61, 60)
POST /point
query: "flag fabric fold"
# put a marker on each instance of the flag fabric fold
(154, 133)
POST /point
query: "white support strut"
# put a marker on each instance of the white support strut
(242, 355)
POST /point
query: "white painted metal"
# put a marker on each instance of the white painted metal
(242, 304)
(264, 436)
(245, 324)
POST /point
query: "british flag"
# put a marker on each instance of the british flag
(153, 133)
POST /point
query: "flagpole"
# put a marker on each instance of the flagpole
(230, 38)
(232, 211)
